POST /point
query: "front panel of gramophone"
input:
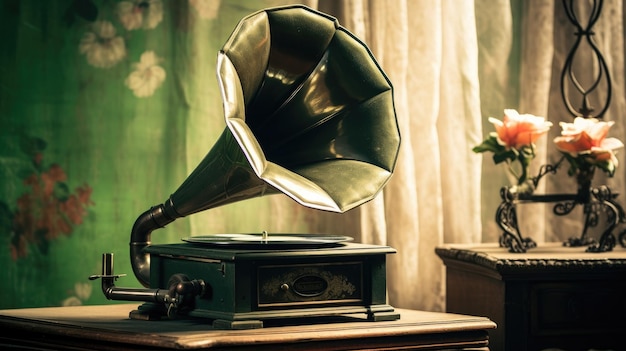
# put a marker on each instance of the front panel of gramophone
(251, 285)
(310, 115)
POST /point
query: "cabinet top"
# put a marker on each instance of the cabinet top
(548, 257)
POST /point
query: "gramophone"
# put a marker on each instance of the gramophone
(309, 114)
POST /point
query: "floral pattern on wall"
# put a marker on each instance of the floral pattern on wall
(79, 294)
(48, 210)
(140, 14)
(147, 76)
(103, 47)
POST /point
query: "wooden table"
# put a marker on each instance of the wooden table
(549, 297)
(108, 327)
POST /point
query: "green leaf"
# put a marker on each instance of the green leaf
(608, 167)
(528, 152)
(489, 144)
(510, 155)
(573, 163)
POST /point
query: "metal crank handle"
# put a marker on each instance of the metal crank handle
(179, 294)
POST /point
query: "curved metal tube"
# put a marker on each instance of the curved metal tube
(156, 217)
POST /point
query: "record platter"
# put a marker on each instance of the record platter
(309, 114)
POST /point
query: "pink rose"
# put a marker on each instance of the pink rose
(587, 137)
(517, 131)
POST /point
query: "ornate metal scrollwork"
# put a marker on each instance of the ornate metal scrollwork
(563, 208)
(568, 74)
(506, 217)
(601, 200)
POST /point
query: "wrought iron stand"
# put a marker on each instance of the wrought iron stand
(595, 200)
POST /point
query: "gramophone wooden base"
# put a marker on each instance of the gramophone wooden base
(254, 320)
(249, 286)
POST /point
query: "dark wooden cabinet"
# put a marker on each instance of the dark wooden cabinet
(109, 328)
(551, 297)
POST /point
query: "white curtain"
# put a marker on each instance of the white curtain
(453, 64)
(429, 50)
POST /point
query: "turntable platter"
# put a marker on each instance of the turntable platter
(269, 240)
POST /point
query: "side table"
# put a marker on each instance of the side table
(108, 327)
(551, 297)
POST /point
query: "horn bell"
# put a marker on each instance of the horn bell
(310, 107)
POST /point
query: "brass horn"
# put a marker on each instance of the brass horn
(309, 114)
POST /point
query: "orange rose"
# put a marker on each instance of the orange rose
(517, 131)
(513, 142)
(587, 137)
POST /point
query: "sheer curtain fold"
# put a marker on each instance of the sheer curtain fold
(494, 25)
(389, 40)
(459, 123)
(428, 49)
(535, 77)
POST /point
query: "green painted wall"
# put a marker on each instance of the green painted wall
(105, 107)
